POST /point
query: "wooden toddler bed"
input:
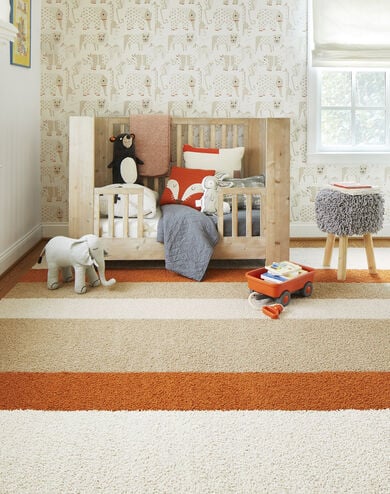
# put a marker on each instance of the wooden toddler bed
(267, 152)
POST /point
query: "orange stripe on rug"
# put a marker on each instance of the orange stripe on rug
(353, 276)
(216, 275)
(151, 275)
(195, 391)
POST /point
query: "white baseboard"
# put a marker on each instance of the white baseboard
(310, 230)
(16, 251)
(305, 230)
(50, 230)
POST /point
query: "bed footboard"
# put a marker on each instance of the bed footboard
(122, 237)
(134, 238)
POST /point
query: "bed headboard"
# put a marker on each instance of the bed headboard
(201, 132)
(267, 151)
(219, 133)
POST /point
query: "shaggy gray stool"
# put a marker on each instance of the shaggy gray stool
(343, 215)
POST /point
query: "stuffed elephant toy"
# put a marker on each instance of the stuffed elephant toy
(63, 253)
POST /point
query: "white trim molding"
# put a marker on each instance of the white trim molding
(18, 250)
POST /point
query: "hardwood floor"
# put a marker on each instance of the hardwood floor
(12, 275)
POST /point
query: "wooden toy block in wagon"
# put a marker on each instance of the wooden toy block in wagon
(280, 280)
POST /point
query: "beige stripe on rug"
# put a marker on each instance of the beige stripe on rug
(94, 345)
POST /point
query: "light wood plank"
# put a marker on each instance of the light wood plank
(369, 247)
(81, 175)
(342, 261)
(330, 240)
(278, 189)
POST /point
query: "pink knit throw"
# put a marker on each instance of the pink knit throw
(152, 140)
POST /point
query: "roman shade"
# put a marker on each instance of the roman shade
(351, 33)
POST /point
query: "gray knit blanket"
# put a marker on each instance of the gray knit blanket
(346, 215)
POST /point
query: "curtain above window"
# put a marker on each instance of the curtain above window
(8, 31)
(351, 33)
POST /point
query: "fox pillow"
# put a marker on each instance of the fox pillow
(185, 187)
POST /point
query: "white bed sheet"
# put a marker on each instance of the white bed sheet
(150, 226)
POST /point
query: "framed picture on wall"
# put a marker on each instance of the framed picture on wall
(21, 19)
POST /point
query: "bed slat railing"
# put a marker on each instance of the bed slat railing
(179, 145)
(125, 223)
(201, 137)
(213, 136)
(219, 133)
(109, 195)
(248, 222)
(234, 193)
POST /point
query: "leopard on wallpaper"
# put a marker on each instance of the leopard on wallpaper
(223, 58)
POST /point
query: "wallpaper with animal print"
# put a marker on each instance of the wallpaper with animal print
(226, 58)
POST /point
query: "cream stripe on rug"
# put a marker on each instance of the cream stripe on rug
(195, 452)
(189, 308)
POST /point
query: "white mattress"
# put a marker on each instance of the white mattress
(150, 226)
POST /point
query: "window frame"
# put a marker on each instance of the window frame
(315, 150)
(315, 154)
(318, 154)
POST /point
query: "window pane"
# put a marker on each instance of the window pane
(336, 88)
(370, 89)
(336, 128)
(370, 127)
(354, 110)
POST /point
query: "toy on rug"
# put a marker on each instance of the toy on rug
(280, 280)
(125, 162)
(63, 253)
(273, 310)
(260, 301)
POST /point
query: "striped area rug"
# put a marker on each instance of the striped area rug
(164, 385)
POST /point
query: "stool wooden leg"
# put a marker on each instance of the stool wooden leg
(342, 265)
(369, 246)
(328, 249)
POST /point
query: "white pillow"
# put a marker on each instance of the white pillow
(150, 202)
(226, 160)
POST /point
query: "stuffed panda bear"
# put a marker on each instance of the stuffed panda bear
(125, 162)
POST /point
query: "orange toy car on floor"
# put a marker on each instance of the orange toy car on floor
(281, 292)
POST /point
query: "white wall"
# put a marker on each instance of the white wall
(20, 189)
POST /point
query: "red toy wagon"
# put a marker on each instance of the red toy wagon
(281, 292)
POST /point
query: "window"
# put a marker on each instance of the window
(353, 110)
(349, 79)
